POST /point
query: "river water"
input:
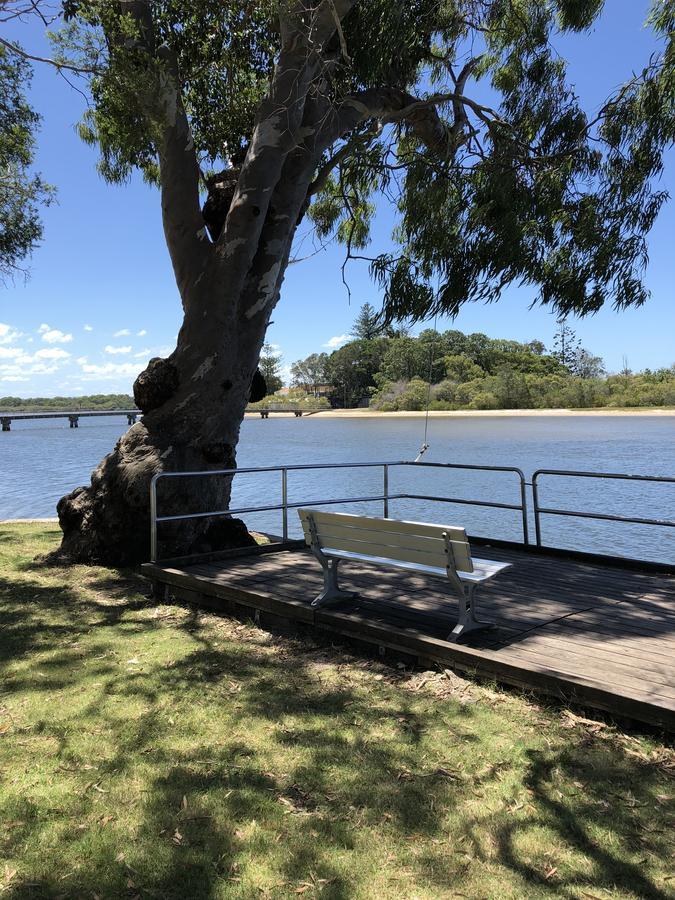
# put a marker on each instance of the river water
(40, 461)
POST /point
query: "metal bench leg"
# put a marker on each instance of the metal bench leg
(467, 617)
(331, 589)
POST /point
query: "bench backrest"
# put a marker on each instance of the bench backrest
(414, 542)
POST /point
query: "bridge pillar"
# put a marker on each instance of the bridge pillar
(131, 420)
(74, 421)
(6, 423)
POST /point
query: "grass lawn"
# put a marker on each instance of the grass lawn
(157, 751)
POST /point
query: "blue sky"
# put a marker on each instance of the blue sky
(101, 299)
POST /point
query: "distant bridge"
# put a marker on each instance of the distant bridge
(73, 417)
(297, 411)
(132, 415)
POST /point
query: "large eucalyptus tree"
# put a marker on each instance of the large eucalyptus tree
(252, 116)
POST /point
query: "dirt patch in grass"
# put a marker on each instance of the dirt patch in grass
(157, 751)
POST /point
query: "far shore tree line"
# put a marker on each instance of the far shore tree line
(391, 370)
(388, 369)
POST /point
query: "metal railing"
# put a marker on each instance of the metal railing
(607, 517)
(284, 506)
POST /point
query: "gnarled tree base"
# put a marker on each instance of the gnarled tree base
(108, 522)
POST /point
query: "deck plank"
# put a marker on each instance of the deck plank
(600, 633)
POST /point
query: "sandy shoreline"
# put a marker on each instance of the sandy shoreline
(478, 413)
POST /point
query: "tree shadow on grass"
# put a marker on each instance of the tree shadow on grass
(599, 811)
(209, 814)
(183, 847)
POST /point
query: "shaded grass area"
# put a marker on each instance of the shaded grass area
(157, 751)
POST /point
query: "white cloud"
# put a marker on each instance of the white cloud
(51, 353)
(10, 352)
(18, 365)
(25, 366)
(54, 335)
(337, 341)
(88, 328)
(123, 332)
(115, 350)
(141, 333)
(143, 353)
(109, 370)
(8, 334)
(81, 360)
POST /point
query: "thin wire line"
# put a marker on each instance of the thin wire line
(425, 445)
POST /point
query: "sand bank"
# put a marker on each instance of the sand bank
(493, 413)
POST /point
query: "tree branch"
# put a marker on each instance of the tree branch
(348, 147)
(327, 20)
(15, 48)
(184, 227)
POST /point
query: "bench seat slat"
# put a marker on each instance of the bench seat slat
(483, 569)
(375, 547)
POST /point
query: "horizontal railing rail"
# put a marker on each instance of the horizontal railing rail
(386, 497)
(285, 505)
(539, 510)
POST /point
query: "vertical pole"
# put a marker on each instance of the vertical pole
(523, 503)
(535, 507)
(385, 505)
(284, 503)
(153, 518)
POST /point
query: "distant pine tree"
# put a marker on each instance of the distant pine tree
(270, 368)
(368, 324)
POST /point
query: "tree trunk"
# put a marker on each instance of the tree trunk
(193, 404)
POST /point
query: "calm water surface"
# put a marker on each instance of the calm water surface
(40, 461)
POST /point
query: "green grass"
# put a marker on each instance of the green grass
(157, 751)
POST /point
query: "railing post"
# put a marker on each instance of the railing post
(523, 503)
(535, 509)
(284, 503)
(385, 491)
(153, 518)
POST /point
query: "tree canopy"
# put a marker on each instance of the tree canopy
(528, 188)
(21, 190)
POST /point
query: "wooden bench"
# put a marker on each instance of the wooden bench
(441, 550)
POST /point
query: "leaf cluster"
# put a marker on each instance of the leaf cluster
(22, 191)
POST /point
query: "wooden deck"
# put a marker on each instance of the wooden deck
(597, 634)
